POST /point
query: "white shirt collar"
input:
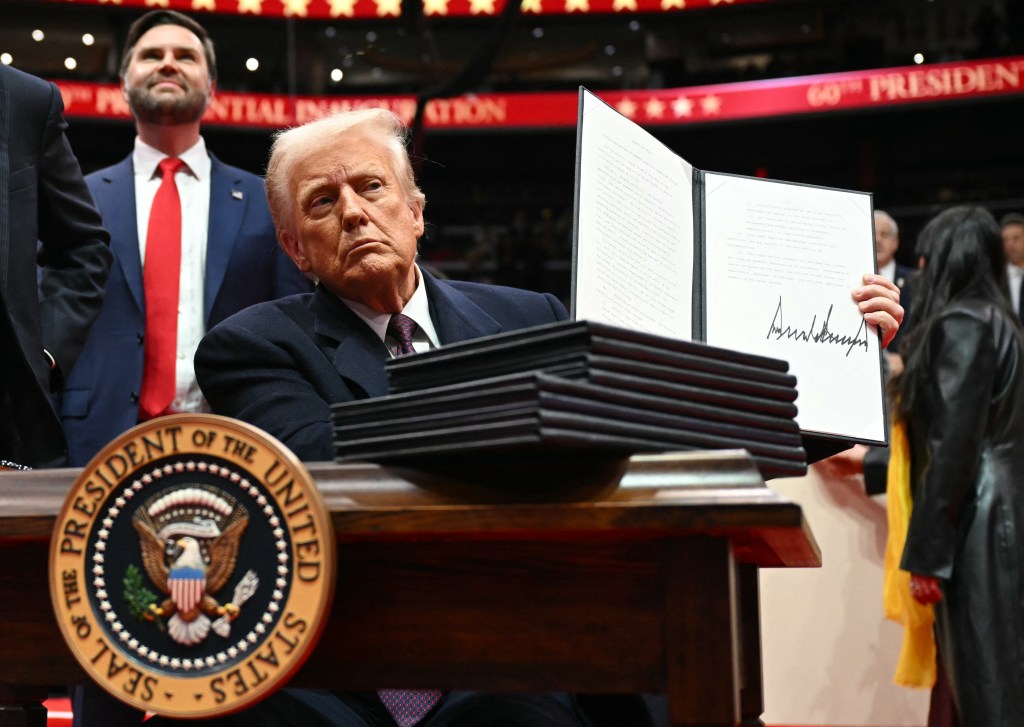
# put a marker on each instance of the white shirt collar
(145, 159)
(418, 308)
(888, 270)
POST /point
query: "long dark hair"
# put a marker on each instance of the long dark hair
(962, 250)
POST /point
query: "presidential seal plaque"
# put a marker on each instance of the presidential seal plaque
(192, 566)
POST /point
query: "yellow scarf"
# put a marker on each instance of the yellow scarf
(916, 667)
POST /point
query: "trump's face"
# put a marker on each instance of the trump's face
(352, 225)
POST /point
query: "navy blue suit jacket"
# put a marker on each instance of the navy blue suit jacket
(903, 278)
(42, 198)
(280, 365)
(244, 266)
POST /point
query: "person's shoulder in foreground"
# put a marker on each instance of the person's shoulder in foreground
(49, 219)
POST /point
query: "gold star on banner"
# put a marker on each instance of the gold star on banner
(435, 7)
(618, 5)
(115, 2)
(669, 4)
(296, 7)
(389, 7)
(250, 6)
(481, 6)
(654, 108)
(682, 106)
(204, 5)
(161, 3)
(530, 6)
(582, 5)
(343, 7)
(719, 2)
(710, 105)
(627, 108)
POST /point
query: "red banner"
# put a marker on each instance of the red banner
(392, 8)
(697, 104)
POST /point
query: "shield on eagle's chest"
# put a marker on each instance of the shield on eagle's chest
(187, 586)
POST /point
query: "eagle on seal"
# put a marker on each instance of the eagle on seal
(179, 569)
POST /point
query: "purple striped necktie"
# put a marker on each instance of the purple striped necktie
(401, 328)
(407, 706)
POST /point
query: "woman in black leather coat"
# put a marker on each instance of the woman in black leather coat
(962, 396)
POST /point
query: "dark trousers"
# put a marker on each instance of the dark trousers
(310, 708)
(93, 707)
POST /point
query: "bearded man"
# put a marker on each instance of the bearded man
(192, 238)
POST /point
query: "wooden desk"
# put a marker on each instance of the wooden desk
(636, 577)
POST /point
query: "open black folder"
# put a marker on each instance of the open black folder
(743, 263)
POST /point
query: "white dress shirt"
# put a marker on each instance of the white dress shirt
(194, 190)
(888, 271)
(1014, 275)
(418, 308)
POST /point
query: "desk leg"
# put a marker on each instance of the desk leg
(752, 692)
(20, 707)
(702, 634)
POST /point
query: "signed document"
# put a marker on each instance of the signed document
(754, 265)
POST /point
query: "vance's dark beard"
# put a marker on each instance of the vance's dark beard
(160, 109)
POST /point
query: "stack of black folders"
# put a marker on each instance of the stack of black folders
(576, 389)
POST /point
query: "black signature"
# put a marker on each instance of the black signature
(823, 337)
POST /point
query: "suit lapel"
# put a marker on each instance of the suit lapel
(227, 209)
(456, 318)
(358, 355)
(115, 196)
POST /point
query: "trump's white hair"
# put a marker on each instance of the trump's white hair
(292, 145)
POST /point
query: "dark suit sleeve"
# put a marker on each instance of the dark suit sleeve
(74, 254)
(557, 309)
(959, 391)
(269, 391)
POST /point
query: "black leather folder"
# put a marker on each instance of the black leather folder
(568, 344)
(530, 386)
(537, 411)
(575, 388)
(549, 433)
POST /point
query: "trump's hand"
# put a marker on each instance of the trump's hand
(879, 302)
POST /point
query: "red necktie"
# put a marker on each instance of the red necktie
(160, 279)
